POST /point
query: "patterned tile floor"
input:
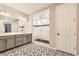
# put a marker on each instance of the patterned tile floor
(33, 50)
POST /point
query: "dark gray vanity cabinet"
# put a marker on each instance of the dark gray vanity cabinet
(11, 41)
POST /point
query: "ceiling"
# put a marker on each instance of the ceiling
(28, 8)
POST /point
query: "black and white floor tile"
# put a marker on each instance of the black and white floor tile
(33, 50)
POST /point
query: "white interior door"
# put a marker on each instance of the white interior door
(66, 28)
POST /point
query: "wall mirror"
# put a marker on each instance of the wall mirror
(10, 24)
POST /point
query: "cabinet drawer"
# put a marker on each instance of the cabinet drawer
(18, 35)
(2, 37)
(10, 36)
(25, 40)
(18, 43)
(5, 37)
(25, 35)
(19, 39)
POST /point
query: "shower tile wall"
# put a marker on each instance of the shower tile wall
(41, 32)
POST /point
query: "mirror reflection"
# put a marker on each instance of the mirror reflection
(8, 24)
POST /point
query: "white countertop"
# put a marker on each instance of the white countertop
(13, 33)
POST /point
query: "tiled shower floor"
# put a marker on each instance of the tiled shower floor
(33, 50)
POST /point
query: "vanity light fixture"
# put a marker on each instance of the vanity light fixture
(4, 13)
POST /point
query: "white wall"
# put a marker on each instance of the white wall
(52, 27)
(29, 23)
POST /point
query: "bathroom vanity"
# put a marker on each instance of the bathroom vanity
(14, 28)
(12, 40)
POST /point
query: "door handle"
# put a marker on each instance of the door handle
(58, 33)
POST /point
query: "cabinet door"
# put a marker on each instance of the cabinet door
(25, 39)
(29, 37)
(10, 43)
(18, 43)
(1, 45)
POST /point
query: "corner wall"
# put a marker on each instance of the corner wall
(29, 29)
(52, 27)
